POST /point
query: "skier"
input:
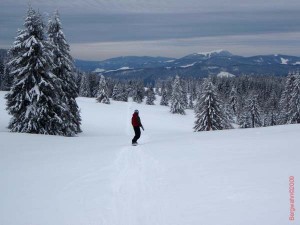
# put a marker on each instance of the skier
(136, 123)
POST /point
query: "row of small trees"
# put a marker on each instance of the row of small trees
(105, 88)
(42, 95)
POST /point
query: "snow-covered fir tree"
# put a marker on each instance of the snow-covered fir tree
(228, 112)
(169, 88)
(77, 78)
(193, 91)
(1, 71)
(191, 103)
(124, 93)
(294, 103)
(130, 88)
(251, 116)
(64, 69)
(272, 111)
(138, 92)
(34, 98)
(285, 99)
(244, 120)
(209, 110)
(102, 95)
(233, 100)
(94, 84)
(110, 86)
(177, 99)
(6, 77)
(184, 94)
(150, 96)
(85, 89)
(116, 92)
(164, 97)
(119, 93)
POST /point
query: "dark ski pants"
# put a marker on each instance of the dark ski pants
(137, 132)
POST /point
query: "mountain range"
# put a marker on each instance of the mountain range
(220, 62)
(197, 65)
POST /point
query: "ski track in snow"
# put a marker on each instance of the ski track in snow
(138, 178)
(135, 182)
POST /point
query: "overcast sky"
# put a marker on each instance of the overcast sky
(100, 29)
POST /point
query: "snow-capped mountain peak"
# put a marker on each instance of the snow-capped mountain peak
(225, 74)
(211, 52)
(219, 52)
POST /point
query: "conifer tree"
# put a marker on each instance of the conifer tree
(169, 88)
(150, 97)
(138, 93)
(34, 98)
(164, 97)
(251, 116)
(118, 94)
(77, 77)
(233, 100)
(184, 94)
(84, 89)
(64, 69)
(110, 86)
(124, 93)
(285, 99)
(191, 104)
(245, 120)
(6, 78)
(294, 103)
(177, 100)
(228, 112)
(129, 88)
(102, 95)
(193, 92)
(1, 71)
(272, 115)
(209, 110)
(94, 84)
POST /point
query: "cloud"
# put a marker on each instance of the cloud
(139, 23)
(174, 6)
(135, 27)
(247, 45)
(156, 6)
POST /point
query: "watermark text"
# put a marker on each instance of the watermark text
(292, 197)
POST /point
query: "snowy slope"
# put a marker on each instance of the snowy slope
(174, 177)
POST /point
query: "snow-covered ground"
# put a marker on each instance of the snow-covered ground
(174, 177)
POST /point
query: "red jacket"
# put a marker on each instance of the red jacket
(136, 121)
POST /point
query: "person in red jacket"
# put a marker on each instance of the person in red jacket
(136, 123)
